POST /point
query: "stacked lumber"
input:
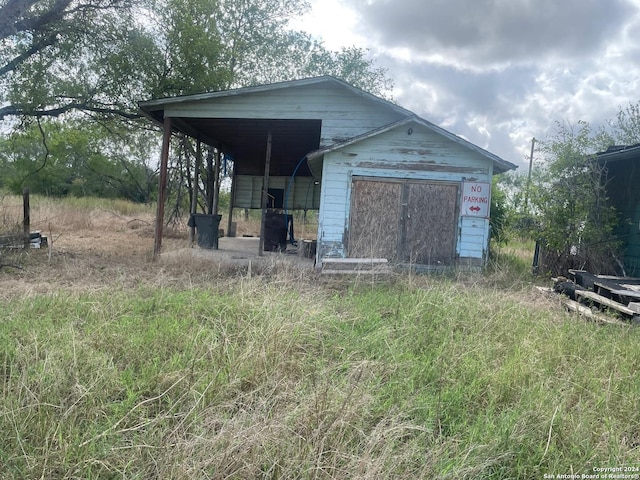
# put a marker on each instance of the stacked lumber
(618, 295)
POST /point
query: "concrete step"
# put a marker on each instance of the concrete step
(355, 264)
(374, 268)
(356, 272)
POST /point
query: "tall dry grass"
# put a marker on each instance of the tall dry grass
(275, 376)
(113, 366)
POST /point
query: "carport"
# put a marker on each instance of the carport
(268, 148)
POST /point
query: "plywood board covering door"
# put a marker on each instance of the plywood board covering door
(403, 221)
(375, 209)
(431, 220)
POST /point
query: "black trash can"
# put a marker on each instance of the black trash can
(207, 227)
(275, 232)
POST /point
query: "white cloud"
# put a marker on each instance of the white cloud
(331, 21)
(498, 72)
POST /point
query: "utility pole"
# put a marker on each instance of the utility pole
(526, 193)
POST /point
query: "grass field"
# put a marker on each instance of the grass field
(112, 366)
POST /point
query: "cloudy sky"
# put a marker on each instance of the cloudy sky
(496, 72)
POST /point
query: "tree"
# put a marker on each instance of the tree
(257, 40)
(576, 224)
(71, 159)
(101, 56)
(193, 52)
(624, 129)
(498, 214)
(88, 63)
(58, 55)
(263, 50)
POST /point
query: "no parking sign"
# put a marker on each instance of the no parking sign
(475, 199)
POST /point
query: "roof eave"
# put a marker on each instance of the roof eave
(161, 103)
(623, 154)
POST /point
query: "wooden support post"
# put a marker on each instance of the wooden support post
(194, 194)
(26, 222)
(232, 195)
(216, 181)
(210, 181)
(265, 194)
(162, 186)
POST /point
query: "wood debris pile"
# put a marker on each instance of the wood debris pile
(590, 295)
(36, 240)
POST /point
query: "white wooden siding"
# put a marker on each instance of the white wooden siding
(343, 114)
(473, 239)
(423, 155)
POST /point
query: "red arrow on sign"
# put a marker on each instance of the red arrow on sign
(474, 209)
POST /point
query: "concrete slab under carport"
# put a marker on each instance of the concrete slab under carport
(237, 253)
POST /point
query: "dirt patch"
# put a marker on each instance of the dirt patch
(102, 250)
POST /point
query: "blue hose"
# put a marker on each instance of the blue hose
(286, 192)
(286, 197)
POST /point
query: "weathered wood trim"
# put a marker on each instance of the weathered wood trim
(427, 166)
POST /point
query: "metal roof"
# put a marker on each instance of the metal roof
(293, 139)
(619, 152)
(245, 138)
(156, 104)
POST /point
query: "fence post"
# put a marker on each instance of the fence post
(26, 222)
(535, 267)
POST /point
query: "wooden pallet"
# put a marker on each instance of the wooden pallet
(580, 309)
(604, 301)
(606, 291)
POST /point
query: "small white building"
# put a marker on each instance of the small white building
(386, 182)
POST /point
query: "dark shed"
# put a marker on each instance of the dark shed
(622, 165)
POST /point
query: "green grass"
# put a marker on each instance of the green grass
(489, 376)
(267, 378)
(514, 257)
